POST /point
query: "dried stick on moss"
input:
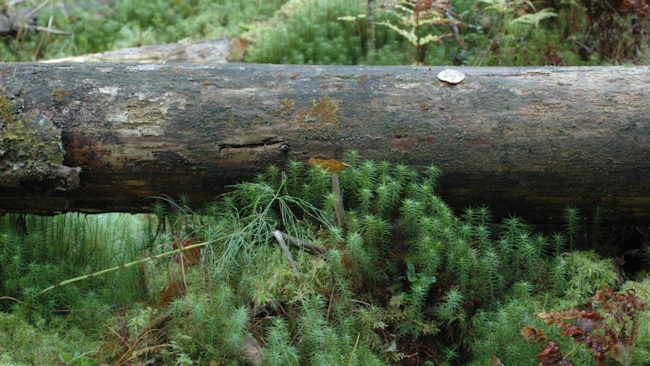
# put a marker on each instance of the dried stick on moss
(132, 347)
(151, 258)
(155, 323)
(338, 210)
(302, 244)
(285, 249)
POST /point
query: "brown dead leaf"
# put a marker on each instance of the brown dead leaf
(331, 165)
(173, 291)
(237, 50)
(190, 256)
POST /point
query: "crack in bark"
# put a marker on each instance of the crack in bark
(251, 145)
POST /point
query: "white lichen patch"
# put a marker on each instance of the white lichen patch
(164, 101)
(407, 85)
(244, 91)
(145, 67)
(150, 131)
(117, 114)
(144, 113)
(519, 92)
(110, 90)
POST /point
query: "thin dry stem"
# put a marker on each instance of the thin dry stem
(278, 236)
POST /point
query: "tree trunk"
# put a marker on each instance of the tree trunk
(525, 141)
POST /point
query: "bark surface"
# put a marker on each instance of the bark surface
(525, 141)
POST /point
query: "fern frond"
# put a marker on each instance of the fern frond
(535, 18)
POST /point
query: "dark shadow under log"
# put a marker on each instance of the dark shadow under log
(526, 141)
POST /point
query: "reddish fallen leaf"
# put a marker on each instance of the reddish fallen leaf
(190, 256)
(173, 291)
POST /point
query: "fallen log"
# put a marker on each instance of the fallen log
(526, 141)
(205, 50)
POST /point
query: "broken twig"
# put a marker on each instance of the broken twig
(338, 210)
(302, 244)
(285, 249)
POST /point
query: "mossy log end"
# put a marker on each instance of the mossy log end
(525, 141)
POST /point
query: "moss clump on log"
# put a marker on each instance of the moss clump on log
(31, 149)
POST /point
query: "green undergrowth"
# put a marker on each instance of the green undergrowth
(347, 32)
(310, 32)
(405, 280)
(36, 252)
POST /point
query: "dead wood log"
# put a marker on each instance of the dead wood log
(527, 141)
(207, 50)
(14, 20)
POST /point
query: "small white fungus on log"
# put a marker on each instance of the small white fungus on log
(451, 76)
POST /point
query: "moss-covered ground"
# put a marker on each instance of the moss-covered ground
(404, 279)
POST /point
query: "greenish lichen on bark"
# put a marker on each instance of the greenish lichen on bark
(321, 121)
(31, 150)
(288, 106)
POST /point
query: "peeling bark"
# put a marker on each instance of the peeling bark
(527, 141)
